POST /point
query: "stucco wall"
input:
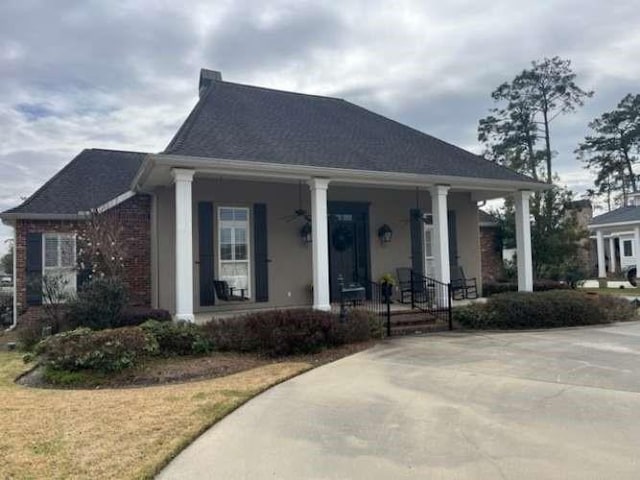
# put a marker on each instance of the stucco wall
(290, 267)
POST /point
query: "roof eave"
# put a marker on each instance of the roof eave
(596, 226)
(11, 216)
(250, 167)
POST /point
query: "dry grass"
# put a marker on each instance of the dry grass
(124, 433)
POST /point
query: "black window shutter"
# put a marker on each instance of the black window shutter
(453, 239)
(205, 248)
(260, 256)
(417, 241)
(34, 269)
(83, 277)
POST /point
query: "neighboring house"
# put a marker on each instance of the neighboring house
(272, 192)
(492, 265)
(619, 229)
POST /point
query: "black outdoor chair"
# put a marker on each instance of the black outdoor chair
(226, 293)
(404, 282)
(407, 287)
(461, 286)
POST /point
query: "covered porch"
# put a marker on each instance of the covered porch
(284, 239)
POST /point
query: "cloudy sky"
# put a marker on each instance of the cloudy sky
(123, 74)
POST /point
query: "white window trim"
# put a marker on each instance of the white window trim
(428, 230)
(73, 284)
(248, 291)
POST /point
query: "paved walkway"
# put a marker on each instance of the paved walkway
(559, 404)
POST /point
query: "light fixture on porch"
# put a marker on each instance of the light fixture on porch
(385, 233)
(305, 233)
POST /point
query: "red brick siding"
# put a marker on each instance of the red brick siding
(134, 214)
(490, 254)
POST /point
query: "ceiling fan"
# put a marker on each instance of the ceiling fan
(298, 213)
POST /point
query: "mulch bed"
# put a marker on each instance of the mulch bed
(158, 371)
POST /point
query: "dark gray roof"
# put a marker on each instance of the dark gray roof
(241, 122)
(91, 179)
(622, 214)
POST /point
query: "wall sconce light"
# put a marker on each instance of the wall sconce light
(385, 233)
(305, 233)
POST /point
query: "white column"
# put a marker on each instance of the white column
(320, 243)
(184, 244)
(523, 241)
(602, 273)
(612, 255)
(440, 232)
(636, 246)
(440, 239)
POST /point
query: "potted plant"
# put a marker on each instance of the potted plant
(387, 281)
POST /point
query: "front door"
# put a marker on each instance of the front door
(348, 245)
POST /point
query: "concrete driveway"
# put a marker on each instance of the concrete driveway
(534, 405)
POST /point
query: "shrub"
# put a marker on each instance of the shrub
(287, 332)
(98, 304)
(6, 308)
(178, 338)
(102, 351)
(357, 327)
(31, 330)
(615, 309)
(134, 316)
(493, 288)
(543, 310)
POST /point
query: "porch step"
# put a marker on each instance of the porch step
(414, 318)
(418, 329)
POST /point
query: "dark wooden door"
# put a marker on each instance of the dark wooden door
(349, 254)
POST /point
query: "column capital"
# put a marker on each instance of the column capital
(182, 174)
(524, 194)
(439, 189)
(318, 183)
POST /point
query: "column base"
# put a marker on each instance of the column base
(323, 308)
(184, 317)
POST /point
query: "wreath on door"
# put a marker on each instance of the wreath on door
(342, 238)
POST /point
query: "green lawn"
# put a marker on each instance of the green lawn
(628, 292)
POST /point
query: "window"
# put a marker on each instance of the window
(429, 259)
(233, 247)
(628, 248)
(59, 259)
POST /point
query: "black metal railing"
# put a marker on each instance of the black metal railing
(432, 297)
(428, 296)
(378, 302)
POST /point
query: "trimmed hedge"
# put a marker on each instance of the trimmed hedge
(288, 332)
(525, 310)
(493, 288)
(134, 316)
(102, 351)
(178, 338)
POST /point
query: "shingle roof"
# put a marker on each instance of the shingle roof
(241, 122)
(622, 214)
(91, 179)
